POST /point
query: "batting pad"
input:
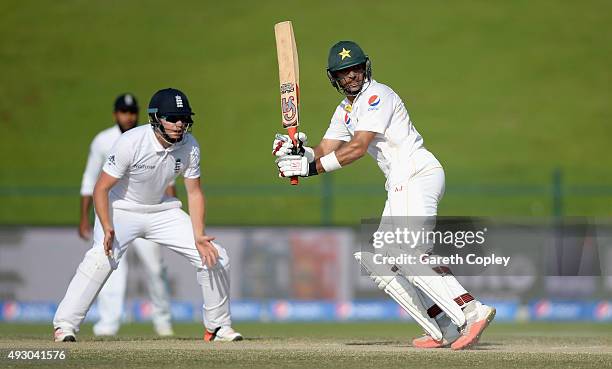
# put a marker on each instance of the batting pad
(402, 292)
(432, 284)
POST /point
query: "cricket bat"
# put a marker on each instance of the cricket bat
(289, 76)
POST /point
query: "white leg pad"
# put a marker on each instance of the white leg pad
(83, 289)
(110, 301)
(432, 284)
(402, 292)
(436, 289)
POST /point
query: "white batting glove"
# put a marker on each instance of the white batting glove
(283, 145)
(292, 165)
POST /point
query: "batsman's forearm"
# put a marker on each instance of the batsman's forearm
(197, 212)
(346, 154)
(86, 202)
(349, 153)
(326, 146)
(319, 151)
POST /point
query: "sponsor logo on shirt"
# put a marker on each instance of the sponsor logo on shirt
(347, 119)
(373, 101)
(177, 166)
(111, 160)
(143, 166)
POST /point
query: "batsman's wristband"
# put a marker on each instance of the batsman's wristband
(312, 168)
(330, 162)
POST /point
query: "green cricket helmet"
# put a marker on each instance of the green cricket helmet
(346, 54)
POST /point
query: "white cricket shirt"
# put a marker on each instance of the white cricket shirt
(397, 147)
(98, 152)
(145, 168)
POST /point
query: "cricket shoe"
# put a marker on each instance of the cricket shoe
(222, 334)
(477, 316)
(449, 330)
(164, 330)
(64, 335)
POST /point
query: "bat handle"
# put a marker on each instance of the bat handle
(292, 133)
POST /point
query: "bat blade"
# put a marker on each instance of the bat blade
(289, 78)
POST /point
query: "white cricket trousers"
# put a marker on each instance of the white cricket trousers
(414, 203)
(111, 298)
(171, 228)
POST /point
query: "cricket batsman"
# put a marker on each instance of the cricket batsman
(130, 203)
(111, 297)
(372, 118)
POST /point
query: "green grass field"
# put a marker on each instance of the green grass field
(346, 345)
(503, 92)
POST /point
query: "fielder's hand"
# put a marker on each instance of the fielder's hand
(109, 238)
(283, 146)
(208, 252)
(292, 165)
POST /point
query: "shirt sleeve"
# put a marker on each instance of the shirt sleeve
(377, 113)
(95, 160)
(337, 130)
(193, 169)
(119, 158)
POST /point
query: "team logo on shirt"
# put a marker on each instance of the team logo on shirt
(347, 119)
(177, 166)
(111, 160)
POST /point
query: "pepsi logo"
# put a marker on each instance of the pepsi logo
(603, 311)
(145, 309)
(543, 308)
(347, 119)
(10, 310)
(281, 309)
(344, 310)
(374, 100)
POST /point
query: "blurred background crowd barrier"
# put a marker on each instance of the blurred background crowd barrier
(309, 274)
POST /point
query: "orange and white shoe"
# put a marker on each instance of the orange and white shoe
(64, 335)
(222, 334)
(450, 333)
(427, 342)
(477, 316)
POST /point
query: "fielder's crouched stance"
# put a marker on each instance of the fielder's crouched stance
(372, 118)
(130, 203)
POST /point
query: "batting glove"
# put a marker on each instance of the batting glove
(283, 146)
(292, 165)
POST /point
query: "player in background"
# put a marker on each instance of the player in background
(130, 203)
(111, 298)
(372, 118)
